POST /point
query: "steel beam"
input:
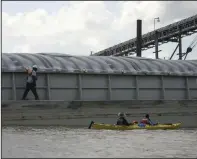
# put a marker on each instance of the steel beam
(80, 88)
(13, 86)
(137, 87)
(109, 87)
(139, 38)
(48, 86)
(180, 45)
(187, 88)
(156, 45)
(174, 52)
(163, 88)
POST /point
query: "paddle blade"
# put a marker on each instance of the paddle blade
(92, 122)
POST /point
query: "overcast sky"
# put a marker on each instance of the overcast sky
(80, 27)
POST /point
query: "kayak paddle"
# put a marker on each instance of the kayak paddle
(92, 122)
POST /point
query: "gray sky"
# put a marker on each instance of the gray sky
(80, 27)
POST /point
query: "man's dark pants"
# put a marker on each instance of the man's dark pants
(32, 87)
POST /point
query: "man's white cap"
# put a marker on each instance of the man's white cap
(34, 66)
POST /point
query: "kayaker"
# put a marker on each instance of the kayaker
(147, 120)
(121, 120)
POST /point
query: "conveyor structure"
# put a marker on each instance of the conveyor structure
(170, 33)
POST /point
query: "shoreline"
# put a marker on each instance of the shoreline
(81, 113)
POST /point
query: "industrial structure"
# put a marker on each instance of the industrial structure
(76, 89)
(170, 33)
(99, 78)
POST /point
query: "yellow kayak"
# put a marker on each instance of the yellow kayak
(100, 126)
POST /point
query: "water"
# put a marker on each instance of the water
(64, 142)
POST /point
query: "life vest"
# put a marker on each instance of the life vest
(122, 121)
(134, 122)
(144, 121)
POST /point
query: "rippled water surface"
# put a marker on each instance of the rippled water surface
(64, 142)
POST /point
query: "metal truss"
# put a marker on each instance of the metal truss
(169, 33)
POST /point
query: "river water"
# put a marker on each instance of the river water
(64, 142)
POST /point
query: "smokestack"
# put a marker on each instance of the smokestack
(139, 38)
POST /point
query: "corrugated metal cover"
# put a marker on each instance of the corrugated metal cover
(15, 62)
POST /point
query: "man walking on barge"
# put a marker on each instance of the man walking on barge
(31, 82)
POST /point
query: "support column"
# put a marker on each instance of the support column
(109, 87)
(13, 87)
(163, 88)
(48, 87)
(187, 88)
(137, 87)
(80, 87)
(156, 45)
(139, 38)
(180, 45)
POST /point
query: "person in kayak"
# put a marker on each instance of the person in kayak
(121, 120)
(147, 120)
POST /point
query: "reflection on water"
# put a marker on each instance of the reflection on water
(64, 142)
